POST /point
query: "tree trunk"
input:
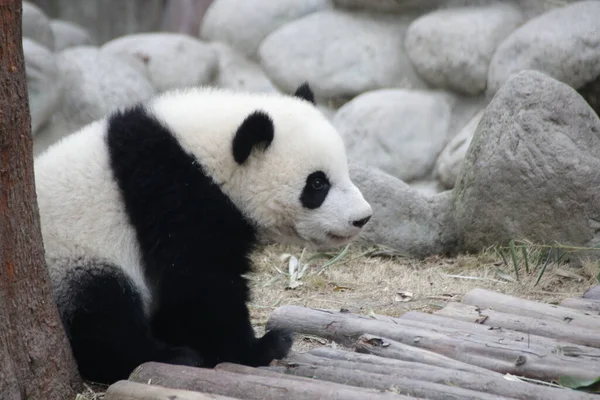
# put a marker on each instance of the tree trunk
(35, 356)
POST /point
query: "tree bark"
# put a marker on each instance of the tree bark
(586, 305)
(35, 356)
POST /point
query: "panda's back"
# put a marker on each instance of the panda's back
(81, 211)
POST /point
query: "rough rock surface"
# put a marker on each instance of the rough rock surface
(399, 131)
(67, 34)
(563, 43)
(452, 48)
(532, 170)
(341, 54)
(196, 62)
(43, 82)
(36, 25)
(592, 293)
(449, 163)
(244, 24)
(238, 72)
(404, 219)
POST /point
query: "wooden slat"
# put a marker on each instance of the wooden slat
(588, 340)
(483, 298)
(468, 348)
(127, 390)
(251, 386)
(497, 384)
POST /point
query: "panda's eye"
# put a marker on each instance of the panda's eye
(318, 184)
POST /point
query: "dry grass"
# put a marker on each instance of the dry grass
(364, 283)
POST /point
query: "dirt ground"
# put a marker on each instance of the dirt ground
(367, 280)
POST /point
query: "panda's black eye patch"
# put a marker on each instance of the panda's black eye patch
(315, 190)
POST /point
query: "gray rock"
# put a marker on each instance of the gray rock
(563, 43)
(399, 131)
(238, 72)
(531, 172)
(450, 161)
(107, 19)
(404, 219)
(592, 293)
(97, 84)
(452, 48)
(43, 82)
(244, 24)
(172, 60)
(67, 34)
(36, 25)
(388, 5)
(341, 54)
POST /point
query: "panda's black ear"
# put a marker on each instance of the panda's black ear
(305, 93)
(257, 130)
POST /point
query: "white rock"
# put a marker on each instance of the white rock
(43, 82)
(67, 34)
(244, 24)
(563, 43)
(36, 25)
(340, 54)
(172, 60)
(449, 163)
(398, 131)
(97, 84)
(238, 72)
(452, 48)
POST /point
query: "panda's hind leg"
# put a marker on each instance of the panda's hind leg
(105, 321)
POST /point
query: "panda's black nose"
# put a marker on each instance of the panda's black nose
(359, 223)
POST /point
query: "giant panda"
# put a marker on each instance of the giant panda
(149, 217)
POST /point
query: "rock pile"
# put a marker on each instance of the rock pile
(431, 95)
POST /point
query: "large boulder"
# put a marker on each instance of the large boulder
(96, 83)
(341, 54)
(452, 48)
(172, 60)
(531, 171)
(43, 82)
(244, 24)
(563, 43)
(67, 34)
(36, 25)
(107, 19)
(237, 72)
(399, 131)
(450, 161)
(404, 219)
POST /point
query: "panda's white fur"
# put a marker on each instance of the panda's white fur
(86, 225)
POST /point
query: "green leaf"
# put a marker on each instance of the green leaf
(580, 383)
(513, 253)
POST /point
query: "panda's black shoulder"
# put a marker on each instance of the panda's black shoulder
(179, 213)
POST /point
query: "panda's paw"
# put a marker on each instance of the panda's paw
(181, 356)
(274, 345)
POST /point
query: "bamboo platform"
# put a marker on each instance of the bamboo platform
(488, 346)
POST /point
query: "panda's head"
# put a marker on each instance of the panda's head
(281, 162)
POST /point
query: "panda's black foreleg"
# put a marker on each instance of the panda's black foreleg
(108, 330)
(211, 316)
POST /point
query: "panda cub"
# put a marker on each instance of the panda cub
(150, 214)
